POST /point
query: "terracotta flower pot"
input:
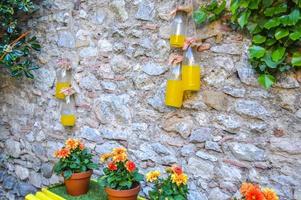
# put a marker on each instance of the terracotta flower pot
(131, 194)
(78, 183)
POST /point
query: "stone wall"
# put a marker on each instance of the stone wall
(229, 132)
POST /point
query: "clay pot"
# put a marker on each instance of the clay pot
(78, 183)
(131, 194)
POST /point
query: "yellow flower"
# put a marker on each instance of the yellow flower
(179, 179)
(270, 194)
(152, 176)
(105, 157)
(119, 150)
(120, 157)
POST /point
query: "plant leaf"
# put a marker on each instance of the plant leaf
(266, 80)
(296, 59)
(258, 39)
(256, 51)
(234, 6)
(243, 19)
(199, 16)
(271, 23)
(278, 54)
(295, 35)
(281, 33)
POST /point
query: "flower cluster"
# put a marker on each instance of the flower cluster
(253, 192)
(73, 158)
(118, 155)
(119, 168)
(175, 185)
(70, 145)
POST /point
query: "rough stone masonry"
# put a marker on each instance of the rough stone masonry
(229, 132)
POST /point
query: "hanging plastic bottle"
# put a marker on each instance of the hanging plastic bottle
(174, 91)
(191, 72)
(178, 30)
(63, 78)
(68, 116)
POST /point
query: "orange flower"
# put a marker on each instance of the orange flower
(254, 193)
(245, 187)
(179, 179)
(72, 143)
(81, 146)
(62, 153)
(270, 194)
(105, 157)
(120, 157)
(112, 166)
(130, 166)
(119, 150)
(176, 169)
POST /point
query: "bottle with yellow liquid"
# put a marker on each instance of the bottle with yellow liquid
(174, 91)
(191, 72)
(178, 30)
(63, 81)
(68, 116)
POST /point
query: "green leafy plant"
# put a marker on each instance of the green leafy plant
(275, 28)
(120, 173)
(74, 158)
(173, 187)
(210, 12)
(15, 45)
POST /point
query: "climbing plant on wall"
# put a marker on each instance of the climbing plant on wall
(16, 46)
(275, 28)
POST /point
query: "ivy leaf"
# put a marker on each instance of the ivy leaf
(258, 39)
(234, 6)
(212, 5)
(256, 51)
(200, 16)
(254, 4)
(281, 8)
(291, 19)
(281, 33)
(271, 23)
(267, 3)
(296, 59)
(266, 80)
(268, 61)
(243, 19)
(270, 41)
(278, 54)
(295, 35)
(220, 8)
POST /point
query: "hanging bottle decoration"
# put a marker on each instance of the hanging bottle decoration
(63, 77)
(178, 29)
(191, 71)
(174, 90)
(68, 116)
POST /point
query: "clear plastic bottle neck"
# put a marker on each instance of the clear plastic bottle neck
(175, 72)
(189, 58)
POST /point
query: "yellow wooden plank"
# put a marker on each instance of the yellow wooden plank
(43, 196)
(52, 195)
(31, 197)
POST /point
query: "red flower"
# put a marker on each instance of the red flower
(130, 166)
(112, 166)
(177, 170)
(254, 193)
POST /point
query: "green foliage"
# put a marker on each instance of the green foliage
(165, 189)
(15, 46)
(78, 161)
(210, 12)
(275, 27)
(121, 178)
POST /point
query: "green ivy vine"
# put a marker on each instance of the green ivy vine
(275, 28)
(15, 44)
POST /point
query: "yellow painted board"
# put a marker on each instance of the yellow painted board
(52, 195)
(31, 197)
(43, 196)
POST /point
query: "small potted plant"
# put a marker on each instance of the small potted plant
(76, 166)
(251, 191)
(121, 178)
(174, 186)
